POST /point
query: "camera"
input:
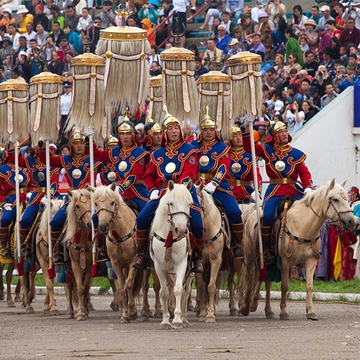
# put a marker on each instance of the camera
(321, 73)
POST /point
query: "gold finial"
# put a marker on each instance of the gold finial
(126, 117)
(149, 120)
(207, 122)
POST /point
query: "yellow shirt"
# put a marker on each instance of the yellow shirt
(28, 18)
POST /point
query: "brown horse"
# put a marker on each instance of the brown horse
(117, 222)
(79, 243)
(298, 245)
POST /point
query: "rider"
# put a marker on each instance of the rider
(177, 161)
(284, 165)
(240, 174)
(108, 172)
(214, 165)
(154, 134)
(77, 172)
(8, 200)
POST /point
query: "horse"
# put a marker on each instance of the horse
(117, 222)
(216, 236)
(237, 265)
(175, 207)
(299, 243)
(79, 244)
(9, 274)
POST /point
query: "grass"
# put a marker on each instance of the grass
(345, 287)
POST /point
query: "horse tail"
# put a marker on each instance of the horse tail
(243, 281)
(220, 281)
(138, 282)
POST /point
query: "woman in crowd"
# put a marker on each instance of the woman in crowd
(294, 117)
(308, 111)
(7, 18)
(278, 34)
(299, 20)
(292, 46)
(275, 7)
(214, 11)
(310, 34)
(280, 66)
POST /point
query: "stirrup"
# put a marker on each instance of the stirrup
(141, 262)
(198, 265)
(269, 257)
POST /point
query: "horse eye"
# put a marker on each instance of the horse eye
(170, 203)
(77, 206)
(95, 204)
(335, 200)
(112, 203)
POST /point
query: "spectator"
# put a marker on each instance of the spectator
(179, 20)
(93, 36)
(234, 47)
(215, 7)
(299, 20)
(155, 68)
(65, 102)
(7, 18)
(40, 17)
(265, 28)
(63, 4)
(308, 111)
(71, 18)
(26, 18)
(310, 34)
(325, 40)
(163, 30)
(57, 17)
(340, 23)
(223, 39)
(32, 45)
(314, 99)
(7, 49)
(328, 61)
(257, 46)
(315, 14)
(294, 117)
(272, 80)
(14, 35)
(131, 20)
(22, 45)
(67, 64)
(2, 74)
(305, 85)
(151, 35)
(292, 94)
(341, 80)
(304, 45)
(292, 46)
(79, 5)
(343, 56)
(275, 7)
(329, 96)
(229, 25)
(216, 24)
(235, 8)
(350, 35)
(199, 69)
(194, 49)
(321, 78)
(225, 68)
(150, 11)
(57, 33)
(310, 65)
(30, 33)
(65, 47)
(55, 66)
(238, 35)
(331, 29)
(41, 34)
(293, 63)
(2, 31)
(335, 46)
(213, 55)
(47, 10)
(84, 23)
(278, 34)
(352, 60)
(353, 12)
(8, 65)
(107, 15)
(154, 56)
(280, 67)
(23, 66)
(325, 11)
(249, 26)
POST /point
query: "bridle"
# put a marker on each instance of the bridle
(112, 212)
(170, 215)
(80, 217)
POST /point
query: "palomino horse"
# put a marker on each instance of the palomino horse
(206, 283)
(117, 222)
(237, 264)
(300, 242)
(79, 243)
(172, 214)
(9, 274)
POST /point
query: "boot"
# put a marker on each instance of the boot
(237, 231)
(198, 260)
(102, 254)
(26, 250)
(4, 235)
(58, 252)
(269, 256)
(141, 242)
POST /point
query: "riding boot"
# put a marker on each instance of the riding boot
(237, 231)
(198, 260)
(102, 255)
(26, 248)
(58, 251)
(141, 242)
(4, 236)
(269, 256)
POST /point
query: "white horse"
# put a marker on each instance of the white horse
(299, 243)
(172, 214)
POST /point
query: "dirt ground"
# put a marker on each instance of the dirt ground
(335, 336)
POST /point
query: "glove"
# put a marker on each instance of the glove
(254, 197)
(308, 190)
(62, 171)
(44, 201)
(89, 131)
(249, 118)
(154, 194)
(28, 196)
(7, 206)
(210, 187)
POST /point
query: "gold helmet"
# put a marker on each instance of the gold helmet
(169, 120)
(277, 126)
(77, 136)
(111, 141)
(125, 127)
(156, 128)
(235, 130)
(207, 122)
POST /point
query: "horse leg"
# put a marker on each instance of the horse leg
(178, 291)
(115, 304)
(255, 297)
(2, 294)
(9, 275)
(132, 311)
(201, 292)
(123, 294)
(145, 311)
(69, 296)
(211, 288)
(284, 314)
(32, 276)
(18, 297)
(184, 299)
(189, 305)
(156, 284)
(81, 314)
(230, 281)
(86, 285)
(310, 266)
(247, 283)
(268, 310)
(25, 286)
(164, 294)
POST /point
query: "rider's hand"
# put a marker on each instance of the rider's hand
(210, 187)
(7, 206)
(44, 201)
(308, 190)
(89, 131)
(154, 194)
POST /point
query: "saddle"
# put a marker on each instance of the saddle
(280, 206)
(132, 205)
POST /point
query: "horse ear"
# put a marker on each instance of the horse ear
(69, 193)
(343, 183)
(189, 185)
(171, 185)
(332, 184)
(113, 186)
(90, 188)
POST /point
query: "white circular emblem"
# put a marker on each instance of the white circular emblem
(122, 165)
(76, 174)
(280, 165)
(21, 178)
(170, 167)
(204, 160)
(111, 176)
(236, 167)
(41, 176)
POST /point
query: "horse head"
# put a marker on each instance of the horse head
(106, 202)
(335, 204)
(176, 203)
(79, 209)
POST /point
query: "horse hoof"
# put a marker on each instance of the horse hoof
(202, 318)
(284, 317)
(54, 312)
(81, 317)
(171, 312)
(144, 318)
(70, 315)
(114, 306)
(46, 311)
(311, 316)
(185, 324)
(29, 310)
(133, 316)
(158, 315)
(124, 320)
(150, 314)
(233, 312)
(190, 308)
(91, 307)
(244, 312)
(11, 304)
(177, 325)
(271, 315)
(253, 308)
(165, 327)
(18, 299)
(210, 320)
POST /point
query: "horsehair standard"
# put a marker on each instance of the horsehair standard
(126, 78)
(155, 108)
(43, 226)
(88, 105)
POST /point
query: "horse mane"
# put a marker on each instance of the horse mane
(43, 224)
(105, 191)
(72, 221)
(179, 195)
(207, 198)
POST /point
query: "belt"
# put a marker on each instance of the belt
(21, 190)
(39, 189)
(204, 176)
(139, 182)
(282, 181)
(239, 182)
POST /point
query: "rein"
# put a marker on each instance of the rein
(112, 212)
(170, 215)
(122, 239)
(164, 240)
